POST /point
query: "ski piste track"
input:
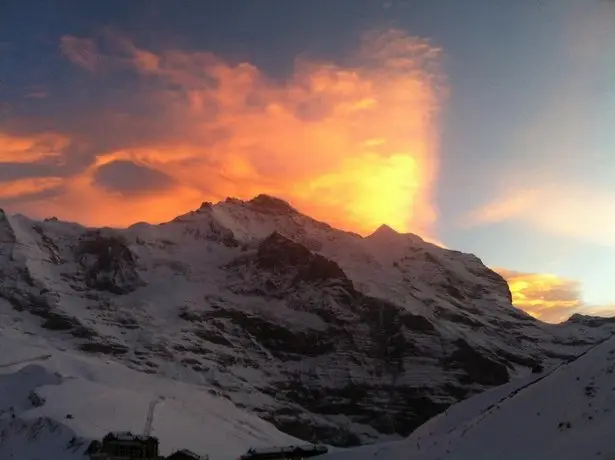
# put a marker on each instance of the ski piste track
(149, 420)
(27, 360)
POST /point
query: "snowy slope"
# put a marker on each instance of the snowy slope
(329, 336)
(48, 399)
(567, 414)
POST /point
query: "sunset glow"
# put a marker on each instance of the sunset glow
(429, 117)
(351, 144)
(549, 297)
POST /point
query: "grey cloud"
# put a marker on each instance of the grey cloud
(42, 195)
(130, 178)
(313, 110)
(15, 171)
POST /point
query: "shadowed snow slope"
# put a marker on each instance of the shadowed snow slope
(565, 414)
(52, 406)
(329, 336)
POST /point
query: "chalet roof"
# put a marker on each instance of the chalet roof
(129, 436)
(286, 449)
(188, 453)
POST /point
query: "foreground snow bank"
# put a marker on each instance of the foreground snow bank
(52, 405)
(567, 414)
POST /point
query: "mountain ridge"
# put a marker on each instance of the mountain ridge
(330, 336)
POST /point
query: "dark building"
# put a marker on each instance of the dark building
(124, 445)
(285, 453)
(185, 454)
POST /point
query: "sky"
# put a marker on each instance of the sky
(483, 125)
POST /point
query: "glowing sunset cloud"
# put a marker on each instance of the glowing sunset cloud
(27, 187)
(353, 144)
(549, 297)
(572, 211)
(26, 149)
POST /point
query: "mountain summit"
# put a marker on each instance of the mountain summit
(330, 336)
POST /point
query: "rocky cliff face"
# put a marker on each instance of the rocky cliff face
(107, 264)
(330, 336)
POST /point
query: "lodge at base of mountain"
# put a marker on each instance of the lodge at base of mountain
(124, 445)
(285, 453)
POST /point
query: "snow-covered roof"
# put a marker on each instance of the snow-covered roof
(285, 449)
(128, 436)
(189, 453)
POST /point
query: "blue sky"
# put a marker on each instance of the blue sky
(524, 164)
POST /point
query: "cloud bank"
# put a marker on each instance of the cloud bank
(571, 211)
(550, 298)
(352, 143)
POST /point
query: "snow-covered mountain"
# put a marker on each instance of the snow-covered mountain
(567, 413)
(329, 336)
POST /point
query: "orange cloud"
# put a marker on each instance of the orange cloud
(352, 144)
(548, 297)
(577, 212)
(26, 149)
(25, 187)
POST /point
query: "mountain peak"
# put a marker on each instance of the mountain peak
(384, 232)
(384, 229)
(268, 203)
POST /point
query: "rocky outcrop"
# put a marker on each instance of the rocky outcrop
(478, 367)
(108, 264)
(590, 321)
(281, 255)
(269, 204)
(7, 238)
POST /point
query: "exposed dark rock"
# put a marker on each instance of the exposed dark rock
(108, 263)
(126, 322)
(213, 337)
(83, 332)
(459, 318)
(211, 230)
(407, 407)
(537, 369)
(57, 322)
(48, 245)
(514, 358)
(40, 306)
(302, 429)
(188, 315)
(35, 399)
(278, 253)
(104, 348)
(479, 368)
(590, 321)
(282, 342)
(270, 204)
